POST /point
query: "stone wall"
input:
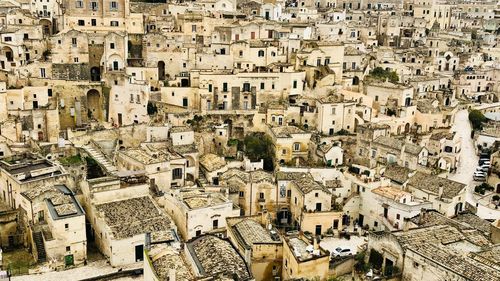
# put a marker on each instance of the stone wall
(71, 71)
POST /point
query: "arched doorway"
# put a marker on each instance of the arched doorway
(408, 101)
(355, 81)
(458, 208)
(94, 108)
(447, 102)
(95, 74)
(161, 70)
(46, 26)
(8, 53)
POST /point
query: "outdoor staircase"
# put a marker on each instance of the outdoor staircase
(40, 247)
(98, 156)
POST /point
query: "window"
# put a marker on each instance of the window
(49, 92)
(93, 22)
(288, 193)
(26, 36)
(42, 73)
(68, 248)
(242, 193)
(114, 23)
(193, 28)
(79, 4)
(73, 42)
(296, 146)
(112, 45)
(261, 53)
(397, 216)
(262, 85)
(246, 87)
(215, 224)
(333, 110)
(316, 194)
(113, 5)
(75, 60)
(81, 22)
(177, 173)
(284, 151)
(295, 200)
(66, 226)
(94, 6)
(295, 84)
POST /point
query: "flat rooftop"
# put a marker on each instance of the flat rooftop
(302, 250)
(29, 169)
(146, 157)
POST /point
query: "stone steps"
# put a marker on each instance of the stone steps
(100, 158)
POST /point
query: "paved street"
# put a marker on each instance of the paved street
(93, 269)
(468, 157)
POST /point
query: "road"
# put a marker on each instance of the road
(93, 269)
(468, 157)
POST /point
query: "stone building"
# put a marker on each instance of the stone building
(198, 213)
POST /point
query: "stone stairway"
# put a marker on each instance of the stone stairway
(98, 156)
(40, 247)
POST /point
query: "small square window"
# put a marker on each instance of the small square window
(68, 248)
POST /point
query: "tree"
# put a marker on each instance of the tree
(382, 74)
(477, 119)
(260, 146)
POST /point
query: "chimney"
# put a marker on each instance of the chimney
(171, 275)
(441, 189)
(421, 217)
(147, 242)
(316, 244)
(406, 224)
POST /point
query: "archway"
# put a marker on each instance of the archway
(408, 101)
(355, 81)
(95, 74)
(8, 53)
(46, 26)
(161, 70)
(407, 128)
(447, 102)
(94, 110)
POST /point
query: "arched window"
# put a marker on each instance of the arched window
(261, 53)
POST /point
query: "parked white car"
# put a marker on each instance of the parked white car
(339, 252)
